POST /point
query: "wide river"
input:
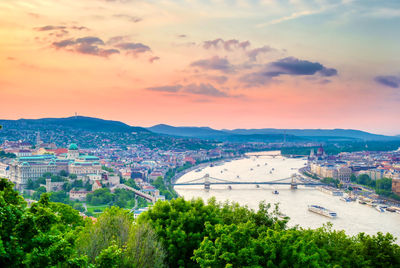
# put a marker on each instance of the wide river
(352, 217)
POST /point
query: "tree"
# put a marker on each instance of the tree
(113, 225)
(116, 241)
(63, 173)
(39, 236)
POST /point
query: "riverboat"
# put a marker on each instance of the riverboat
(381, 208)
(322, 211)
(330, 191)
(346, 199)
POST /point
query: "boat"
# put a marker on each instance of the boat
(251, 169)
(330, 190)
(275, 192)
(346, 199)
(198, 170)
(266, 164)
(380, 208)
(258, 165)
(391, 209)
(238, 176)
(322, 211)
(229, 187)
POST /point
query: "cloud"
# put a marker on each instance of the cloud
(293, 66)
(89, 40)
(64, 43)
(388, 80)
(50, 28)
(218, 79)
(118, 39)
(174, 88)
(153, 59)
(86, 45)
(134, 48)
(228, 45)
(128, 17)
(204, 89)
(252, 54)
(194, 89)
(286, 66)
(214, 63)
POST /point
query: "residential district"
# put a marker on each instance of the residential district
(77, 175)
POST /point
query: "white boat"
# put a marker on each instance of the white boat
(346, 199)
(380, 208)
(322, 211)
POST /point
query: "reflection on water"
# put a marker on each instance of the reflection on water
(352, 217)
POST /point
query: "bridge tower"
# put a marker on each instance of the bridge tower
(207, 184)
(293, 184)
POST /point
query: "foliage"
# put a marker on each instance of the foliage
(331, 181)
(99, 197)
(39, 236)
(228, 235)
(115, 241)
(3, 154)
(168, 192)
(181, 225)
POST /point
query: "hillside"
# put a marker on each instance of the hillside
(75, 122)
(271, 134)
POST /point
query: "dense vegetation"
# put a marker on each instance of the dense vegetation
(381, 186)
(176, 233)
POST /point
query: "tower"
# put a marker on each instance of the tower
(38, 141)
(73, 151)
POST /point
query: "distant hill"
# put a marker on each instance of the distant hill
(199, 132)
(344, 133)
(75, 122)
(270, 134)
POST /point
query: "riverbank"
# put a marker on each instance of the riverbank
(352, 216)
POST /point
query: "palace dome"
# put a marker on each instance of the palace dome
(73, 146)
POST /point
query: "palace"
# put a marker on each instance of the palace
(32, 167)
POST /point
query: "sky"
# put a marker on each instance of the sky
(218, 63)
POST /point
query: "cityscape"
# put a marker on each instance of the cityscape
(217, 133)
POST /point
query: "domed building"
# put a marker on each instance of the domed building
(73, 151)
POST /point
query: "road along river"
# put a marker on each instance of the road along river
(352, 216)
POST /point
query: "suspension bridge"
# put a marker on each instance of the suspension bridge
(207, 181)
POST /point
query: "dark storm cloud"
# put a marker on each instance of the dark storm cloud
(214, 63)
(388, 80)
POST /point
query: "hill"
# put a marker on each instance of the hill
(75, 122)
(271, 134)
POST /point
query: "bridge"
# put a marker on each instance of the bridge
(138, 193)
(207, 181)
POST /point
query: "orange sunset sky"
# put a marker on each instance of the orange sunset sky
(217, 63)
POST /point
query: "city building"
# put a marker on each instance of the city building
(396, 185)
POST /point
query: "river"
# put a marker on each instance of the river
(352, 217)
